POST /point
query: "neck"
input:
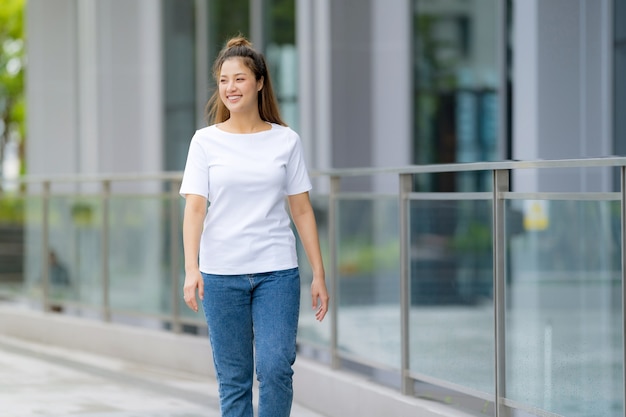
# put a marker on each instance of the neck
(244, 124)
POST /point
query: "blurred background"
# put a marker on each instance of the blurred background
(99, 100)
(120, 86)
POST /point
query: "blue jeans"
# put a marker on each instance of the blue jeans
(253, 318)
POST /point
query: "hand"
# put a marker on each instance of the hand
(319, 296)
(193, 282)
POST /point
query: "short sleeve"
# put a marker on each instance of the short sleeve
(196, 174)
(298, 180)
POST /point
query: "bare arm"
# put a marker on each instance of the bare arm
(195, 210)
(304, 219)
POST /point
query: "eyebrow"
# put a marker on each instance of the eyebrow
(236, 75)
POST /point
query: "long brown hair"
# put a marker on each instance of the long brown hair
(240, 47)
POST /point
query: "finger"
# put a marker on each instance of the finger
(321, 312)
(190, 299)
(201, 289)
(314, 303)
(192, 304)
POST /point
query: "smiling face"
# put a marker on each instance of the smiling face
(238, 87)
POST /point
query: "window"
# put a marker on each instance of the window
(179, 90)
(456, 78)
(619, 78)
(281, 54)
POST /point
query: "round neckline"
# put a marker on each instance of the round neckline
(271, 125)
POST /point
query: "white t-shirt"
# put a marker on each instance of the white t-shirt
(245, 178)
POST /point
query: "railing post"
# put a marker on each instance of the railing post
(500, 185)
(45, 246)
(104, 250)
(406, 186)
(175, 234)
(334, 270)
(623, 276)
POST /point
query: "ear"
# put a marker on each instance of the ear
(260, 83)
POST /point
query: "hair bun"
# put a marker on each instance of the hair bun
(238, 41)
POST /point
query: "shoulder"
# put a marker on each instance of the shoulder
(286, 133)
(283, 129)
(206, 133)
(206, 138)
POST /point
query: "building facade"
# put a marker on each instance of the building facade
(120, 86)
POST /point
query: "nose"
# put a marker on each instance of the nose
(230, 85)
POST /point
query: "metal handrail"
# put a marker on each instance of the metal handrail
(611, 161)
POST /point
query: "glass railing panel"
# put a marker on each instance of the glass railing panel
(139, 254)
(309, 330)
(13, 223)
(33, 249)
(74, 251)
(451, 318)
(564, 309)
(368, 254)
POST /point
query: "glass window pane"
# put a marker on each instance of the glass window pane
(280, 50)
(620, 20)
(179, 93)
(227, 19)
(456, 82)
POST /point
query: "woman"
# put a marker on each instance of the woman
(240, 255)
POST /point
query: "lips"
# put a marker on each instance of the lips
(233, 98)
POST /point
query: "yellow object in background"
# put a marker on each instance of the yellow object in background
(536, 215)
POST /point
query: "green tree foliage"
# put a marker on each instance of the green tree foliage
(12, 62)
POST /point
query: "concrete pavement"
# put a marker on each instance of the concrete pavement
(48, 381)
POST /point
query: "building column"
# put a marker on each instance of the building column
(562, 83)
(52, 90)
(391, 88)
(88, 110)
(314, 45)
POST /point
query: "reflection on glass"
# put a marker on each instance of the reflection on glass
(179, 86)
(368, 280)
(227, 19)
(280, 51)
(564, 320)
(451, 322)
(456, 80)
(619, 10)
